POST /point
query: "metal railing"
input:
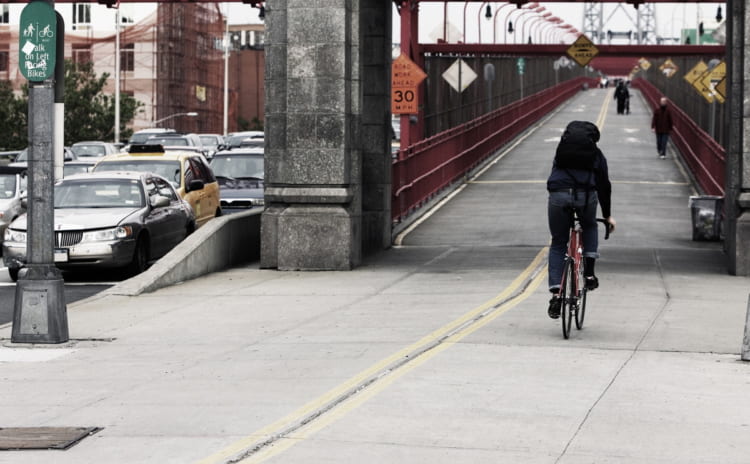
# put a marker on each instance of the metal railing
(424, 169)
(704, 156)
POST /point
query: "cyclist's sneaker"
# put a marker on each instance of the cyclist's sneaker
(554, 307)
(591, 282)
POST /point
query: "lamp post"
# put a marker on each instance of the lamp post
(494, 21)
(536, 20)
(524, 13)
(529, 7)
(191, 114)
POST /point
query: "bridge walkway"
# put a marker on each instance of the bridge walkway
(438, 350)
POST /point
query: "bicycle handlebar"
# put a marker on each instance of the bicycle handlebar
(607, 227)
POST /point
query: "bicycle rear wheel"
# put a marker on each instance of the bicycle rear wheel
(567, 297)
(581, 309)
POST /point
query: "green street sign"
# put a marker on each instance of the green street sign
(37, 41)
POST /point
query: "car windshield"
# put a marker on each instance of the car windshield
(171, 141)
(210, 140)
(7, 186)
(99, 193)
(245, 140)
(70, 169)
(168, 169)
(23, 156)
(238, 166)
(89, 150)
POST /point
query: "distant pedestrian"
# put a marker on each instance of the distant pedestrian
(622, 96)
(661, 124)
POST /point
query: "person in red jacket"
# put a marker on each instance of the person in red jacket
(661, 124)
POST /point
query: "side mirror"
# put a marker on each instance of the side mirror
(159, 201)
(195, 184)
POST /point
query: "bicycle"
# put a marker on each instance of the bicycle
(572, 290)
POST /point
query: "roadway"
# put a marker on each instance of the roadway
(438, 350)
(78, 286)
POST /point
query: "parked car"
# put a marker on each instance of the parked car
(78, 166)
(108, 220)
(246, 138)
(12, 192)
(93, 149)
(211, 142)
(22, 160)
(178, 140)
(240, 175)
(187, 171)
(142, 135)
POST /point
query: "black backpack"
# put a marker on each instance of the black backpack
(577, 148)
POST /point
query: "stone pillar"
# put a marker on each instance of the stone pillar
(377, 163)
(313, 217)
(737, 189)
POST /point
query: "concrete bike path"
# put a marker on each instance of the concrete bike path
(436, 351)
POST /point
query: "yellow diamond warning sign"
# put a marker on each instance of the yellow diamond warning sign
(583, 50)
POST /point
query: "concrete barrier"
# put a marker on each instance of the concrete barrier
(221, 243)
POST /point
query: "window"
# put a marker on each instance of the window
(81, 14)
(165, 190)
(4, 58)
(4, 14)
(81, 53)
(127, 57)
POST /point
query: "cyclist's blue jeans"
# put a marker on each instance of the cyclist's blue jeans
(560, 208)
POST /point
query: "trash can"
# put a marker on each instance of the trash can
(707, 213)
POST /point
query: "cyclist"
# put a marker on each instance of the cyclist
(579, 181)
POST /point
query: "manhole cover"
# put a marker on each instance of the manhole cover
(35, 438)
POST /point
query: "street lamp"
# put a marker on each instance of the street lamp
(191, 114)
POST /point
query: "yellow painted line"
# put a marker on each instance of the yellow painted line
(354, 402)
(603, 111)
(306, 410)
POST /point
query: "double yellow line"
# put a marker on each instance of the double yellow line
(296, 427)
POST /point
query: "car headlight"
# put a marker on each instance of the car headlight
(257, 202)
(15, 235)
(107, 235)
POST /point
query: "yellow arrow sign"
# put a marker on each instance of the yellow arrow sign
(721, 88)
(583, 50)
(668, 68)
(696, 72)
(713, 77)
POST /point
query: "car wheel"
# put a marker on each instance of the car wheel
(218, 212)
(140, 258)
(190, 228)
(13, 271)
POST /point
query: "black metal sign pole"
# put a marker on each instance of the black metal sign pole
(40, 314)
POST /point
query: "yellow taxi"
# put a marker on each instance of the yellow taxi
(188, 171)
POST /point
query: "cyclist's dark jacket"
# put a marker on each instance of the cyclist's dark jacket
(598, 180)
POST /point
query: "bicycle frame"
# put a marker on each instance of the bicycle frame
(575, 254)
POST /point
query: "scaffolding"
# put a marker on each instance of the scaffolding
(171, 62)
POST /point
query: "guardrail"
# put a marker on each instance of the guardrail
(704, 156)
(424, 169)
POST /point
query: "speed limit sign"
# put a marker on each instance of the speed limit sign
(405, 79)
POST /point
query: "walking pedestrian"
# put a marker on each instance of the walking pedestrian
(622, 96)
(661, 124)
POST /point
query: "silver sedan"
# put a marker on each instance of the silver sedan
(108, 219)
(12, 192)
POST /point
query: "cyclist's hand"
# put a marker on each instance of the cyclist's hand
(612, 223)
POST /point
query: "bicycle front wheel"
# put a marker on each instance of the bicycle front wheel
(567, 297)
